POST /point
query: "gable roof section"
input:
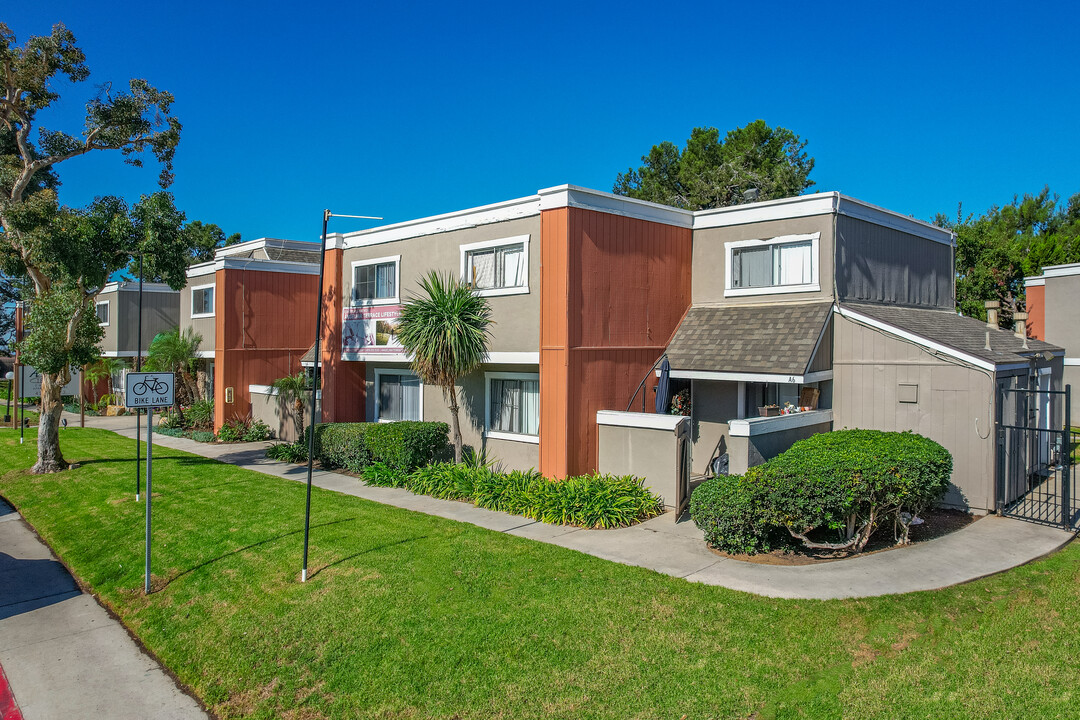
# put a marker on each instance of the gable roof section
(774, 339)
(944, 330)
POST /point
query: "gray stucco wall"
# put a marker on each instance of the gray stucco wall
(514, 455)
(881, 264)
(203, 326)
(714, 403)
(516, 317)
(955, 404)
(710, 258)
(161, 311)
(1062, 327)
(746, 452)
(281, 417)
(649, 453)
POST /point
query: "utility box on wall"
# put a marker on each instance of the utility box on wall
(907, 393)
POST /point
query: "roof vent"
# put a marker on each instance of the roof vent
(1020, 327)
(992, 313)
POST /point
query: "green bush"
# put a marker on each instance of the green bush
(200, 416)
(257, 431)
(287, 452)
(841, 486)
(232, 431)
(204, 436)
(169, 419)
(170, 431)
(403, 445)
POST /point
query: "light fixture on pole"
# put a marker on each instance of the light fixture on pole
(316, 380)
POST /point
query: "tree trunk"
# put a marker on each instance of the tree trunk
(50, 459)
(454, 425)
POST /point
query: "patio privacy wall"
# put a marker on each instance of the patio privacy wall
(279, 416)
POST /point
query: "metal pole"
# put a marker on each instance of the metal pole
(82, 397)
(149, 463)
(19, 409)
(138, 368)
(1066, 465)
(314, 385)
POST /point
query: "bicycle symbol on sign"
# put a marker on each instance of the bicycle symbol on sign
(155, 385)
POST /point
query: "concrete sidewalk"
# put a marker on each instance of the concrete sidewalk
(675, 546)
(64, 656)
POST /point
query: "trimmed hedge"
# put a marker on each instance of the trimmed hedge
(405, 445)
(591, 501)
(843, 484)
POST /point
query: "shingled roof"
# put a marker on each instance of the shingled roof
(773, 339)
(963, 334)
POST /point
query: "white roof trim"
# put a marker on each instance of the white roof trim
(1072, 362)
(924, 342)
(747, 427)
(782, 209)
(459, 220)
(263, 243)
(231, 263)
(206, 354)
(133, 286)
(1039, 281)
(862, 210)
(752, 377)
(334, 241)
(578, 197)
(1060, 270)
(270, 390)
(492, 358)
(653, 421)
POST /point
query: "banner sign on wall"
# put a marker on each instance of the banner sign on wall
(370, 330)
(30, 382)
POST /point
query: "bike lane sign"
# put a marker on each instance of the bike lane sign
(148, 390)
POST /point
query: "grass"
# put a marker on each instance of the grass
(412, 616)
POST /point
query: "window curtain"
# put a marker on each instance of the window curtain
(515, 406)
(384, 281)
(530, 407)
(513, 266)
(399, 397)
(793, 264)
(752, 267)
(482, 269)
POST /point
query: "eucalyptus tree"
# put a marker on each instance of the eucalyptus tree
(68, 254)
(447, 334)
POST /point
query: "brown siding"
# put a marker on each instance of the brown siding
(1036, 309)
(343, 382)
(613, 291)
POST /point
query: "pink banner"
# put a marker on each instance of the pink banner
(371, 330)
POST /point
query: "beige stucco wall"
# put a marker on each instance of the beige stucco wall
(714, 404)
(710, 258)
(108, 343)
(649, 453)
(203, 326)
(1062, 318)
(161, 311)
(281, 417)
(955, 403)
(512, 454)
(516, 317)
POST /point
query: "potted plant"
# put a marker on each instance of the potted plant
(769, 411)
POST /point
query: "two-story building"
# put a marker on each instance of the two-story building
(835, 309)
(249, 306)
(117, 310)
(1054, 315)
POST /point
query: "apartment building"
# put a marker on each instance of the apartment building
(1054, 315)
(836, 309)
(249, 305)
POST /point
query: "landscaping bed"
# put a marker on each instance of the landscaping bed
(406, 615)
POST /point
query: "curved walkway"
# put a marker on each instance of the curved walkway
(675, 547)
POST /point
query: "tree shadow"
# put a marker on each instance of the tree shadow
(27, 585)
(237, 551)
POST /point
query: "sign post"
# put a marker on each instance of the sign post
(146, 391)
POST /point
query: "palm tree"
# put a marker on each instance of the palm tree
(103, 368)
(176, 352)
(447, 335)
(292, 389)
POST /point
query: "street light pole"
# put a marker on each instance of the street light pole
(138, 368)
(317, 378)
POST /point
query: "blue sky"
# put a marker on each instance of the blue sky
(411, 109)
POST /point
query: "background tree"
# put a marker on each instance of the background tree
(177, 352)
(996, 250)
(447, 333)
(104, 368)
(203, 239)
(68, 255)
(712, 173)
(293, 389)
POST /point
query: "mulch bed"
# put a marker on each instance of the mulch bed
(937, 522)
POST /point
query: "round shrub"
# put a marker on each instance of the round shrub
(732, 512)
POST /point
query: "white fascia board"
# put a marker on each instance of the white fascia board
(282, 266)
(492, 358)
(652, 421)
(269, 390)
(573, 196)
(202, 269)
(334, 241)
(133, 286)
(1061, 270)
(262, 243)
(206, 354)
(919, 340)
(459, 220)
(1072, 362)
(1039, 281)
(121, 353)
(750, 377)
(376, 357)
(782, 209)
(862, 210)
(749, 427)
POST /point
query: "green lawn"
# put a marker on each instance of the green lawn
(411, 616)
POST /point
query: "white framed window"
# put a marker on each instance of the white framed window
(497, 267)
(512, 406)
(101, 309)
(784, 264)
(399, 395)
(202, 301)
(376, 281)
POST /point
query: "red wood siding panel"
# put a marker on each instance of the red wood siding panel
(1036, 309)
(613, 291)
(220, 379)
(343, 387)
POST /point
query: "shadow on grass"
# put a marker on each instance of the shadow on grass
(252, 546)
(365, 552)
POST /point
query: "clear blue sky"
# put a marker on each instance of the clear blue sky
(411, 109)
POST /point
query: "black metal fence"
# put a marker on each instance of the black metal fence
(1036, 456)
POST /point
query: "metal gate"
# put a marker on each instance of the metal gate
(1035, 453)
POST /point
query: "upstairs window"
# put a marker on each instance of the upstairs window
(101, 309)
(375, 281)
(202, 301)
(783, 264)
(497, 267)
